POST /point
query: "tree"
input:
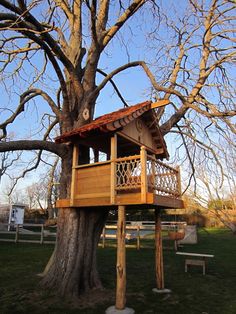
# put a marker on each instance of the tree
(218, 203)
(194, 65)
(52, 189)
(70, 38)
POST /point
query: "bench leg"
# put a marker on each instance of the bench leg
(195, 262)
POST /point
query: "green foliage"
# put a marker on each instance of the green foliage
(192, 292)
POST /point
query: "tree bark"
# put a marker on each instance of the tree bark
(72, 270)
(78, 233)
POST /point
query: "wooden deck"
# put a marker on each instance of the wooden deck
(126, 199)
(134, 180)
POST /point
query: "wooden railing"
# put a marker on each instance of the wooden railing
(154, 176)
(128, 173)
(139, 173)
(163, 179)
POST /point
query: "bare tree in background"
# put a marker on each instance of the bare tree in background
(219, 200)
(194, 58)
(220, 205)
(69, 38)
(52, 182)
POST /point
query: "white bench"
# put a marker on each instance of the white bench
(199, 260)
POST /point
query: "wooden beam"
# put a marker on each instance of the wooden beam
(63, 203)
(159, 103)
(159, 251)
(121, 260)
(167, 202)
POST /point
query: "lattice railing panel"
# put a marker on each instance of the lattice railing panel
(162, 178)
(128, 173)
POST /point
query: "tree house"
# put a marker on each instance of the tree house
(117, 161)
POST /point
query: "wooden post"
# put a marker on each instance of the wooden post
(159, 251)
(143, 154)
(113, 168)
(121, 260)
(153, 172)
(73, 178)
(138, 237)
(17, 234)
(96, 155)
(42, 234)
(103, 237)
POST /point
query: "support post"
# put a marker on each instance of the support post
(159, 251)
(143, 175)
(103, 237)
(42, 234)
(121, 260)
(113, 168)
(120, 268)
(17, 234)
(159, 255)
(138, 237)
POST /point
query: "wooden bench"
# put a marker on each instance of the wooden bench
(199, 260)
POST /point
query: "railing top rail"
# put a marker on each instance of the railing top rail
(100, 163)
(162, 163)
(95, 164)
(127, 158)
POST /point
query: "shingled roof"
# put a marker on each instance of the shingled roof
(116, 120)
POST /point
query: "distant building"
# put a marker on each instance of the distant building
(13, 214)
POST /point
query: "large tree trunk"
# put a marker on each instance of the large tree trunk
(73, 266)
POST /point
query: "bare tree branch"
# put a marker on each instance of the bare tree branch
(59, 149)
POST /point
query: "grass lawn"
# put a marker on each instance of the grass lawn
(191, 292)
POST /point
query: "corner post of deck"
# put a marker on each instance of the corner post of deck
(153, 174)
(75, 159)
(143, 155)
(113, 168)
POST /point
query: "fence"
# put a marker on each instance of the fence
(26, 233)
(134, 233)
